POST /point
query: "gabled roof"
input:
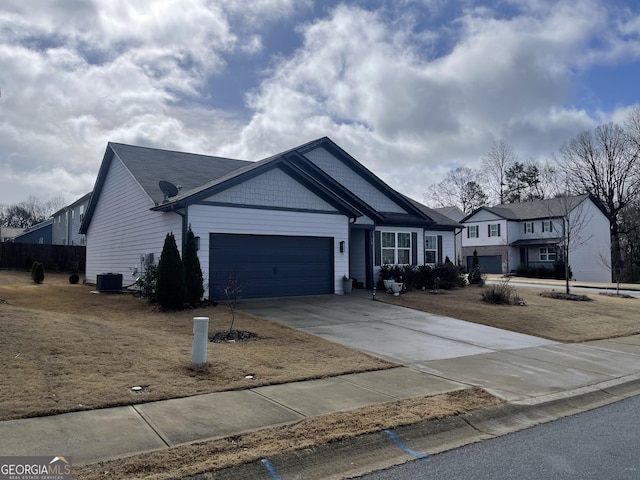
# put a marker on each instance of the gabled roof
(201, 176)
(537, 209)
(452, 212)
(189, 170)
(82, 199)
(436, 217)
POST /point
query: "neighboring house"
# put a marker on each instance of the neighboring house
(291, 224)
(40, 233)
(535, 233)
(455, 214)
(67, 221)
(7, 234)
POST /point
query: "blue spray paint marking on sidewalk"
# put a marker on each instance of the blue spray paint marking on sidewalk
(272, 471)
(404, 448)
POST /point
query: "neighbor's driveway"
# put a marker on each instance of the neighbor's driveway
(395, 333)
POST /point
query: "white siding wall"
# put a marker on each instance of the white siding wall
(206, 219)
(483, 239)
(354, 182)
(590, 255)
(123, 227)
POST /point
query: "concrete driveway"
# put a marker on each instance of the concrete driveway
(391, 332)
(513, 366)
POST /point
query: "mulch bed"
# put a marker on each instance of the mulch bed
(232, 336)
(565, 296)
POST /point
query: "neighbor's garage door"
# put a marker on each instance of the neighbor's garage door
(488, 263)
(270, 265)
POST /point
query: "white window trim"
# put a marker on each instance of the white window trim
(396, 248)
(528, 227)
(548, 253)
(473, 231)
(491, 230)
(547, 226)
(434, 250)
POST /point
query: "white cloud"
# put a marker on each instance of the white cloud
(408, 100)
(359, 80)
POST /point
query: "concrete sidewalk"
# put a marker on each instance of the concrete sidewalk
(522, 376)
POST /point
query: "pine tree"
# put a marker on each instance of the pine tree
(192, 270)
(171, 285)
(475, 273)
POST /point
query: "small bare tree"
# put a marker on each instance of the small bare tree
(232, 291)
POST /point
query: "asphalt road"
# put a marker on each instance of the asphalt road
(600, 444)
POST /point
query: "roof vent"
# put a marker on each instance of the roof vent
(169, 190)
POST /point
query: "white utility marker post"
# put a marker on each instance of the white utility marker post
(200, 340)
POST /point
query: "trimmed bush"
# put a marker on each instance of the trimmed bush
(170, 285)
(192, 270)
(37, 272)
(555, 272)
(501, 293)
(423, 276)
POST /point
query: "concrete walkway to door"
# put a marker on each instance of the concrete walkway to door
(388, 331)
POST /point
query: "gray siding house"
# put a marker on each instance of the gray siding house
(536, 233)
(67, 221)
(291, 224)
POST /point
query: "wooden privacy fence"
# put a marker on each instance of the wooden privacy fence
(55, 258)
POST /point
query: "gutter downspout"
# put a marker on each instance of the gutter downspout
(184, 228)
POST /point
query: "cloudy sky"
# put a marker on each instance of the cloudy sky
(410, 88)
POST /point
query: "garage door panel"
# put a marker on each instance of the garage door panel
(270, 265)
(488, 263)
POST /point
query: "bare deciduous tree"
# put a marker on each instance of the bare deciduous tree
(495, 164)
(460, 188)
(605, 163)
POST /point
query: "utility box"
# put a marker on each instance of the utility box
(109, 282)
(200, 340)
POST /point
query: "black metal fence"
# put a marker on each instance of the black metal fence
(55, 258)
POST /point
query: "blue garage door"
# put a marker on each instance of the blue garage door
(488, 263)
(271, 265)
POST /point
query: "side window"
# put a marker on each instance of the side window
(431, 248)
(388, 248)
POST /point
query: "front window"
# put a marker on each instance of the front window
(528, 227)
(431, 249)
(546, 226)
(494, 230)
(547, 254)
(396, 248)
(473, 231)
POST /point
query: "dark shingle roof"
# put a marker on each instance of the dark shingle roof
(150, 165)
(437, 217)
(535, 209)
(551, 207)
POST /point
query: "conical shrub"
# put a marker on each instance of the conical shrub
(171, 286)
(192, 270)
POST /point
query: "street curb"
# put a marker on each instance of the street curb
(357, 456)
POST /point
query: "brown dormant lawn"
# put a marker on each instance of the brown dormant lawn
(554, 319)
(63, 348)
